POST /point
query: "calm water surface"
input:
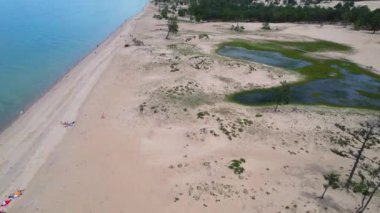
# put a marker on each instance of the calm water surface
(331, 91)
(41, 39)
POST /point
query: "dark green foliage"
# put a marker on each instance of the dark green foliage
(291, 2)
(198, 18)
(265, 26)
(374, 20)
(157, 16)
(175, 2)
(332, 181)
(245, 10)
(340, 153)
(236, 166)
(173, 7)
(203, 36)
(367, 186)
(282, 94)
(237, 28)
(361, 186)
(164, 12)
(182, 12)
(172, 26)
(201, 115)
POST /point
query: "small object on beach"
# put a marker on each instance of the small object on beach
(11, 197)
(103, 116)
(16, 194)
(126, 45)
(138, 42)
(6, 202)
(67, 124)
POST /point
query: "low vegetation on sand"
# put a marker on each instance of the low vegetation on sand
(236, 166)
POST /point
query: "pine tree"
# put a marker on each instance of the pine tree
(172, 26)
(332, 181)
(282, 94)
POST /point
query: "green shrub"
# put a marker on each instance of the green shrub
(235, 165)
(182, 12)
(265, 26)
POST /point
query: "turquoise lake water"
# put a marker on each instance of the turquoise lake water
(40, 40)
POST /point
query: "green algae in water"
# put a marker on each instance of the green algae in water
(369, 95)
(316, 94)
(327, 81)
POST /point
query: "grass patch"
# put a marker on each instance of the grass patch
(184, 49)
(319, 68)
(369, 95)
(315, 46)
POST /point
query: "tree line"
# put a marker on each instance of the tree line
(247, 11)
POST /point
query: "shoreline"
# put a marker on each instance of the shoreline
(81, 60)
(28, 140)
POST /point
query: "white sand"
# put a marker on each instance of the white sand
(138, 145)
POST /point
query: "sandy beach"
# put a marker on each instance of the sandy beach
(139, 144)
(31, 138)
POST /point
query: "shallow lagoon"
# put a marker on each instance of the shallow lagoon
(264, 57)
(347, 89)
